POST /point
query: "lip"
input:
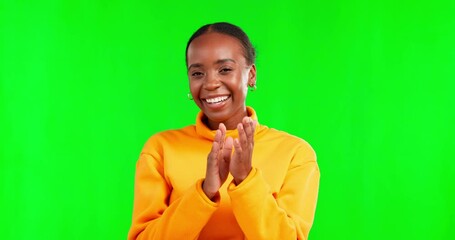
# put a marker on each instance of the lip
(216, 106)
(214, 96)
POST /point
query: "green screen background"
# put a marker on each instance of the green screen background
(369, 84)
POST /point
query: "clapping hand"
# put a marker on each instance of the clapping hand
(240, 165)
(217, 163)
(221, 160)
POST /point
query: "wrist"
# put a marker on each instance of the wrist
(239, 179)
(208, 193)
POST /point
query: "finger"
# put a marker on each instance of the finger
(224, 162)
(237, 147)
(217, 137)
(215, 146)
(212, 159)
(249, 131)
(222, 128)
(253, 127)
(242, 136)
(227, 150)
(255, 124)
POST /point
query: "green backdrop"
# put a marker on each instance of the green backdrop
(370, 84)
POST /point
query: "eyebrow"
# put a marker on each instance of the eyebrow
(220, 61)
(225, 60)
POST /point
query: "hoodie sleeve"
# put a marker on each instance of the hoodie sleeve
(153, 216)
(288, 214)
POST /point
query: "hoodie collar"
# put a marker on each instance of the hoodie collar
(205, 132)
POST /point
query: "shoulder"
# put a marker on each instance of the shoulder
(169, 137)
(289, 143)
(283, 137)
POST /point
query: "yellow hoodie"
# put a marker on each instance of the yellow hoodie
(276, 201)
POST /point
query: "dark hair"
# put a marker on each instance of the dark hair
(228, 29)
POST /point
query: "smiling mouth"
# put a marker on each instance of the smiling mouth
(216, 100)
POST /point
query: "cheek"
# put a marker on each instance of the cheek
(194, 88)
(239, 91)
(242, 84)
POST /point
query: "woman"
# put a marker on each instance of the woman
(227, 177)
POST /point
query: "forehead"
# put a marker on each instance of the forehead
(210, 47)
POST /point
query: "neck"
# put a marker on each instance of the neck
(230, 123)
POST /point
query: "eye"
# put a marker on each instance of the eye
(196, 74)
(225, 70)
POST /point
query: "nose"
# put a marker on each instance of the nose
(212, 82)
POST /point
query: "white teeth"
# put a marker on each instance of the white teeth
(217, 99)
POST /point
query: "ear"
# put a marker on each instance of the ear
(252, 75)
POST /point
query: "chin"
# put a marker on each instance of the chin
(218, 117)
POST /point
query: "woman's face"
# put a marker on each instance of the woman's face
(219, 76)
